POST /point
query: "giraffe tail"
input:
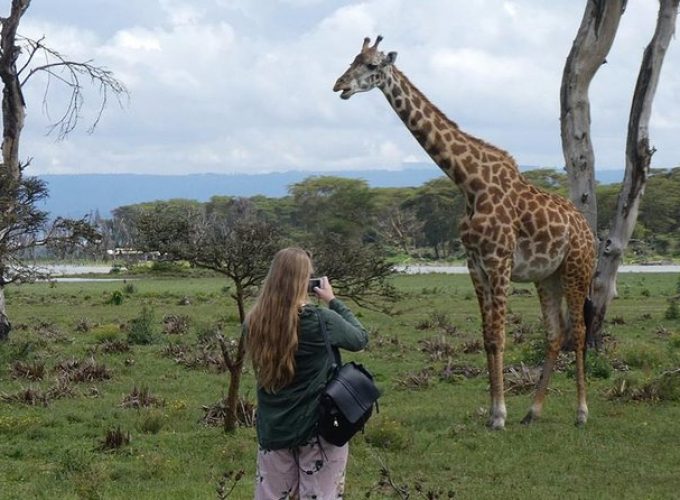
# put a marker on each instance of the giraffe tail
(589, 316)
(568, 342)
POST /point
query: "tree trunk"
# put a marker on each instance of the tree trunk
(5, 326)
(232, 395)
(235, 366)
(638, 158)
(589, 51)
(13, 113)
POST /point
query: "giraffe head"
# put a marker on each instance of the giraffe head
(367, 71)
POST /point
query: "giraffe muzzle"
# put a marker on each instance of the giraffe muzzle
(344, 87)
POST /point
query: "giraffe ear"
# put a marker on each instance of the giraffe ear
(391, 57)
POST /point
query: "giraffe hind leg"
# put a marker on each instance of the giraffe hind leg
(575, 301)
(550, 295)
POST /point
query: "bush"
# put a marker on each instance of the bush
(116, 298)
(141, 328)
(597, 365)
(387, 434)
(534, 353)
(106, 333)
(668, 386)
(643, 357)
(151, 423)
(673, 311)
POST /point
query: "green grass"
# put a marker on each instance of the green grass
(429, 435)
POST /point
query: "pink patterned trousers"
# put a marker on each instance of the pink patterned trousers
(313, 471)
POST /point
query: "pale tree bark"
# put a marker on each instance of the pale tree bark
(638, 158)
(589, 51)
(13, 114)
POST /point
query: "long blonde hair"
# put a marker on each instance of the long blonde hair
(272, 338)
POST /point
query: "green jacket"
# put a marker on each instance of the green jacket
(288, 418)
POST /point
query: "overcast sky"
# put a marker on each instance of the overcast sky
(244, 86)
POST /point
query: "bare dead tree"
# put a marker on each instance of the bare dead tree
(71, 74)
(588, 52)
(22, 225)
(598, 28)
(638, 159)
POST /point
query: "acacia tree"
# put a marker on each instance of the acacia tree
(233, 241)
(22, 225)
(595, 36)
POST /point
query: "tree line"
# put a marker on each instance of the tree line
(408, 222)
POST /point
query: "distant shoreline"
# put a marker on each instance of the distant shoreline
(59, 271)
(629, 268)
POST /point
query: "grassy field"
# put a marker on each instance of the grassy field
(72, 388)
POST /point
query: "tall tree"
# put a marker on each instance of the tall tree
(334, 204)
(598, 27)
(22, 225)
(439, 205)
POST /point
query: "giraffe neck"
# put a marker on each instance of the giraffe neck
(465, 159)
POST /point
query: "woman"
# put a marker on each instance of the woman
(292, 365)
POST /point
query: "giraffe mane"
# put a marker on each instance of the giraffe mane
(453, 124)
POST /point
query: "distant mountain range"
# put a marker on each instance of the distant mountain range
(78, 195)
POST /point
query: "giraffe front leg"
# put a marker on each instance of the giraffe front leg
(497, 412)
(491, 292)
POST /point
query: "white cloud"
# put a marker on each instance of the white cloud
(245, 85)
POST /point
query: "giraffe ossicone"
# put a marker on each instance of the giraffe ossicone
(511, 230)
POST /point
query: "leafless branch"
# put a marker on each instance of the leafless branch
(71, 74)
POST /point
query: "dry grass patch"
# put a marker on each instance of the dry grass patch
(114, 439)
(141, 397)
(88, 370)
(521, 379)
(29, 370)
(245, 413)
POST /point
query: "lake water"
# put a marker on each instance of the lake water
(59, 271)
(425, 269)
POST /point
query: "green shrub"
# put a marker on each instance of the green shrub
(151, 423)
(597, 366)
(673, 311)
(169, 267)
(643, 357)
(129, 289)
(668, 386)
(141, 328)
(533, 354)
(106, 333)
(387, 434)
(14, 425)
(116, 298)
(674, 341)
(205, 332)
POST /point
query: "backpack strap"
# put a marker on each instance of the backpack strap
(333, 354)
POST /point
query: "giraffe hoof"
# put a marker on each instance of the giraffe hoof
(496, 424)
(581, 418)
(529, 418)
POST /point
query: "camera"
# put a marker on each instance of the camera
(313, 283)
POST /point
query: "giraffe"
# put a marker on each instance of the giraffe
(511, 230)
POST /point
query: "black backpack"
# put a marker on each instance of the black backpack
(347, 400)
